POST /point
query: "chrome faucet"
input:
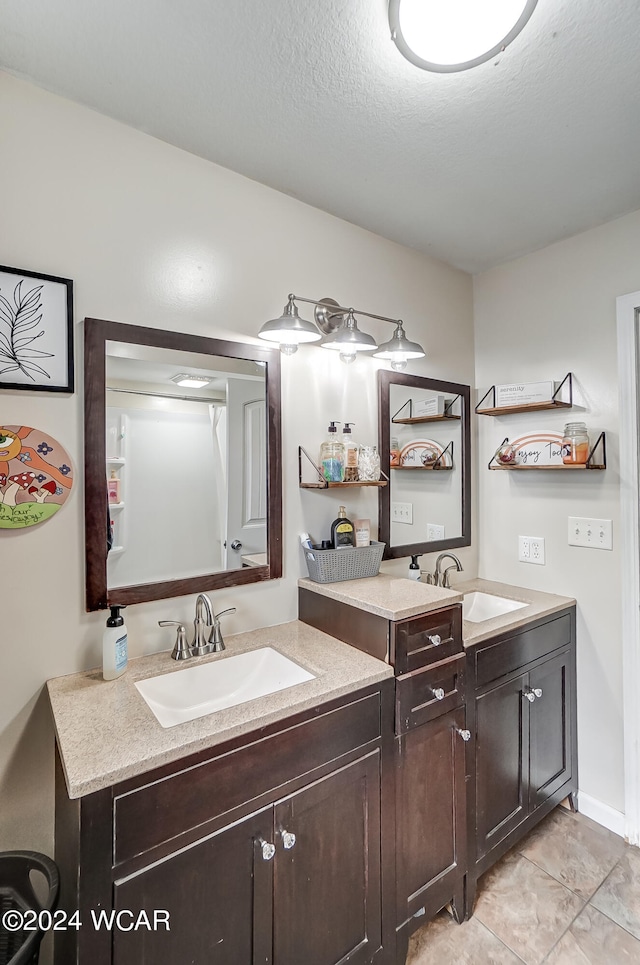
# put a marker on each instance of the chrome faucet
(200, 644)
(205, 620)
(441, 577)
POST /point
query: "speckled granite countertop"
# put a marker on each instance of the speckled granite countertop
(391, 597)
(107, 733)
(539, 604)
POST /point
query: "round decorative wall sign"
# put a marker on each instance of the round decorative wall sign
(35, 476)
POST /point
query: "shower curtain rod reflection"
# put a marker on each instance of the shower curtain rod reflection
(168, 395)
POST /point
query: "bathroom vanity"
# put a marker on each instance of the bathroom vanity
(252, 827)
(326, 822)
(484, 730)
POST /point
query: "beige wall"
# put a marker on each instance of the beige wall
(537, 318)
(154, 236)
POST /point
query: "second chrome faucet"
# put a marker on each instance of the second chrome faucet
(207, 636)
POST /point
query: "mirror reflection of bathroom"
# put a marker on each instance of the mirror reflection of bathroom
(425, 465)
(179, 426)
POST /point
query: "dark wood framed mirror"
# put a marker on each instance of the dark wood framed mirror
(424, 428)
(183, 463)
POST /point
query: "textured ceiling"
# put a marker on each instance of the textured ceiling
(315, 100)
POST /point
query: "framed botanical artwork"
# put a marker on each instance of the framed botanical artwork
(36, 331)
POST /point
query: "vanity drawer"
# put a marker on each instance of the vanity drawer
(427, 639)
(165, 809)
(497, 658)
(425, 694)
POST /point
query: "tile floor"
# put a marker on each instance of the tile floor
(568, 894)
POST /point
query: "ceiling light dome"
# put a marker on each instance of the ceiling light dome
(452, 35)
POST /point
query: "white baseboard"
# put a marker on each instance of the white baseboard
(601, 813)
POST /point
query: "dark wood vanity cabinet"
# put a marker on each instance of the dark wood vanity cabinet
(267, 852)
(523, 716)
(431, 742)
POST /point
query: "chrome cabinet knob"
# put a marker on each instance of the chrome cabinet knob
(288, 839)
(236, 545)
(464, 734)
(531, 694)
(438, 693)
(435, 639)
(537, 691)
(268, 849)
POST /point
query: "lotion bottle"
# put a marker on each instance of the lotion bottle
(342, 531)
(114, 646)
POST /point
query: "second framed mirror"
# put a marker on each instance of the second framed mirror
(425, 448)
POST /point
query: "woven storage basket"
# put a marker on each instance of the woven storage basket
(348, 563)
(17, 894)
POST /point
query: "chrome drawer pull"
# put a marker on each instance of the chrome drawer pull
(435, 639)
(268, 849)
(288, 839)
(438, 693)
(464, 734)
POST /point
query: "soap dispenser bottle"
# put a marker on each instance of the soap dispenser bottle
(332, 456)
(414, 568)
(350, 454)
(114, 646)
(342, 530)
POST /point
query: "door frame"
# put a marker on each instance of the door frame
(628, 322)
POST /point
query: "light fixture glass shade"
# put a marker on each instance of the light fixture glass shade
(399, 349)
(456, 34)
(349, 339)
(289, 329)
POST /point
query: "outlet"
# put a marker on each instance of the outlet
(531, 549)
(537, 550)
(434, 532)
(401, 512)
(594, 533)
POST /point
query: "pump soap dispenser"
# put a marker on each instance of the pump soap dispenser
(350, 454)
(332, 456)
(414, 567)
(114, 646)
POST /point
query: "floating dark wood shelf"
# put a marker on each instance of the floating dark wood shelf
(342, 485)
(528, 407)
(562, 467)
(423, 468)
(424, 418)
(553, 403)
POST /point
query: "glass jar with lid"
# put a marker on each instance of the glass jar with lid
(575, 444)
(368, 464)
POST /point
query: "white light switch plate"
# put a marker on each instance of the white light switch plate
(531, 549)
(401, 512)
(595, 533)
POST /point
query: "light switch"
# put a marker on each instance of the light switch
(594, 533)
(401, 512)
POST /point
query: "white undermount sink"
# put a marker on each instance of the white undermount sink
(196, 691)
(477, 606)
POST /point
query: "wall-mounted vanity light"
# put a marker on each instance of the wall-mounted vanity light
(336, 328)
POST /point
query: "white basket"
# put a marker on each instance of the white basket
(347, 563)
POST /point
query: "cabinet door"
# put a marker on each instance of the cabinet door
(218, 895)
(327, 898)
(430, 815)
(550, 725)
(502, 762)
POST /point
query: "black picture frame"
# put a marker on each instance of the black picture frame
(43, 314)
